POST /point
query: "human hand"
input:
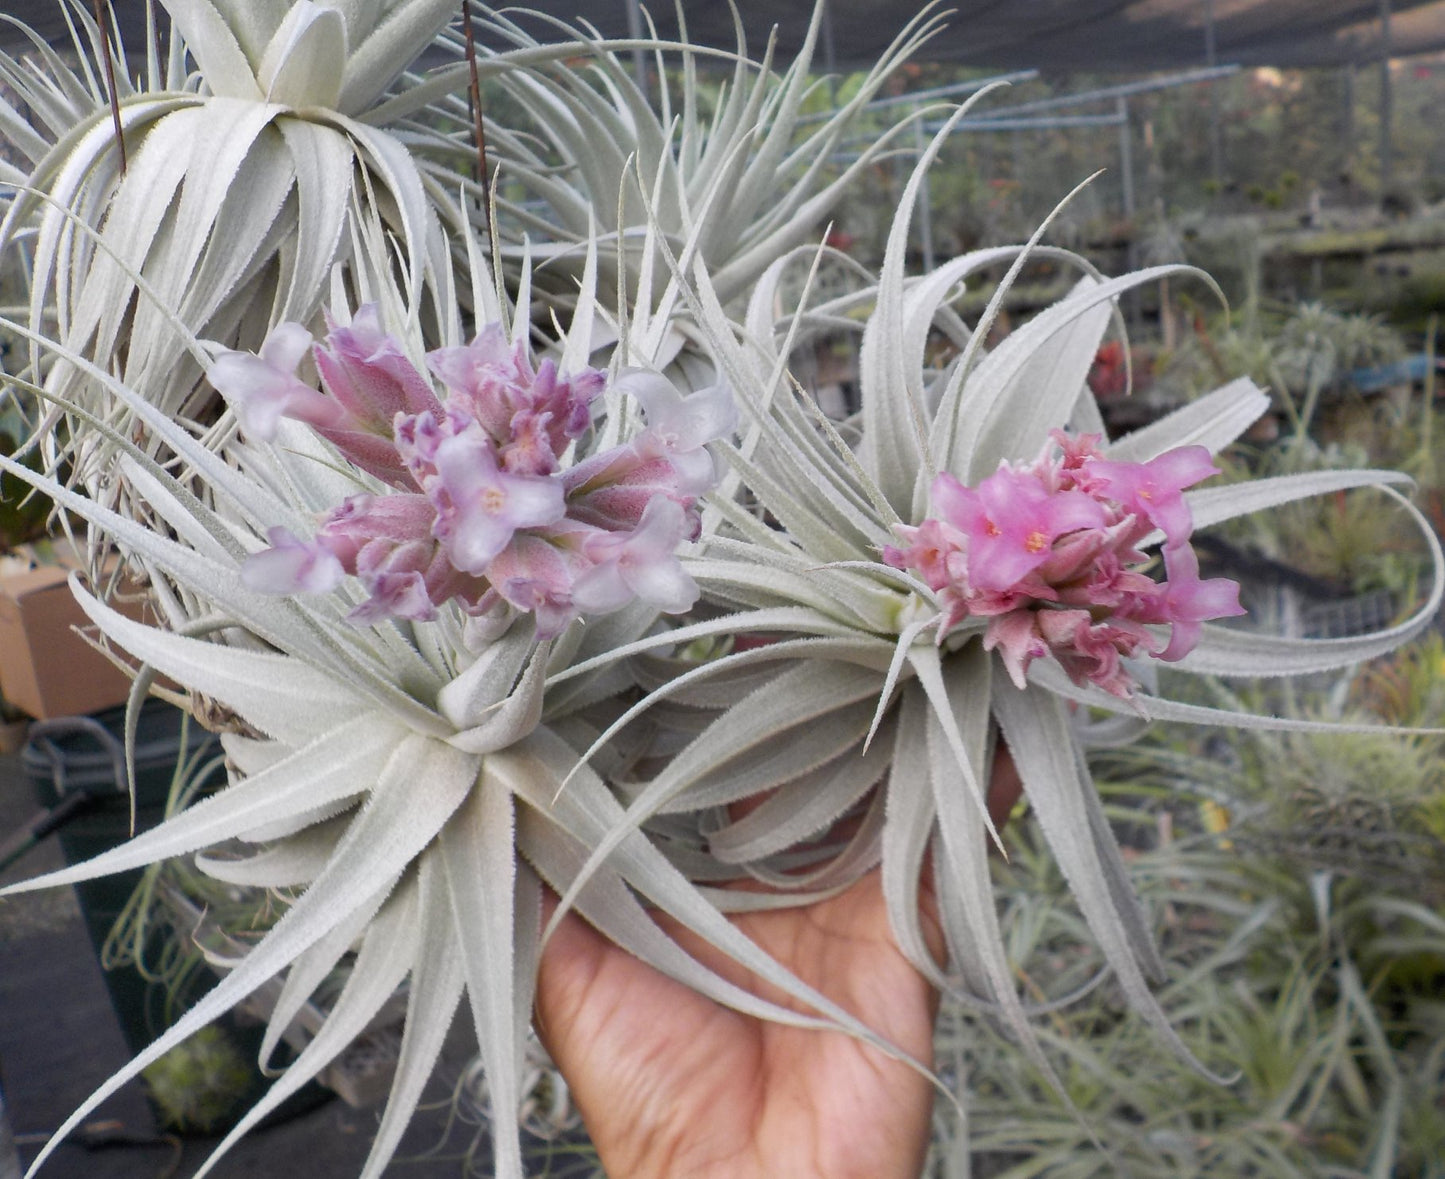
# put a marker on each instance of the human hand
(673, 1085)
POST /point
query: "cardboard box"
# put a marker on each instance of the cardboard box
(46, 668)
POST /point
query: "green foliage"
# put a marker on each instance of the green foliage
(1409, 689)
(1353, 800)
(24, 512)
(1316, 995)
(197, 1084)
(1352, 542)
(1296, 884)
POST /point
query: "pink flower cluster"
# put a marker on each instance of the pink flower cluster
(482, 508)
(1049, 554)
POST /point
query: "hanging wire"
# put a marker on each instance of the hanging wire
(108, 59)
(474, 104)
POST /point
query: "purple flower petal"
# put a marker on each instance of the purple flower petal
(680, 427)
(641, 564)
(285, 346)
(494, 384)
(536, 573)
(291, 566)
(396, 594)
(480, 506)
(262, 389)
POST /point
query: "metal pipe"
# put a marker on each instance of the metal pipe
(634, 32)
(925, 204)
(1126, 157)
(830, 55)
(949, 91)
(1387, 102)
(1126, 89)
(1049, 123)
(1216, 136)
(913, 98)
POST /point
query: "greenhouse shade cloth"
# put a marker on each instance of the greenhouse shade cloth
(1049, 35)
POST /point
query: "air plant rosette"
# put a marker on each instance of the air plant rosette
(971, 570)
(483, 605)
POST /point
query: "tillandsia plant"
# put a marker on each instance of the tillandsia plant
(736, 175)
(983, 566)
(218, 182)
(401, 727)
(440, 555)
(215, 187)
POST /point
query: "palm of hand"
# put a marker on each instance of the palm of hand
(672, 1084)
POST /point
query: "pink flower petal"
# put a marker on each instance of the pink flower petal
(285, 346)
(641, 564)
(261, 393)
(1187, 601)
(1011, 522)
(291, 566)
(1154, 489)
(1016, 637)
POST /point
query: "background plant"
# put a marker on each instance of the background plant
(1314, 983)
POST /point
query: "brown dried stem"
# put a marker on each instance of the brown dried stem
(108, 60)
(474, 104)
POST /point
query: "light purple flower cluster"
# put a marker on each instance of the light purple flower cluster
(482, 509)
(1048, 553)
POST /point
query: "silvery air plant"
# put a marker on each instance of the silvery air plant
(213, 187)
(970, 562)
(491, 587)
(434, 526)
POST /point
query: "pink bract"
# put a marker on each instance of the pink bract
(530, 414)
(370, 374)
(1047, 554)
